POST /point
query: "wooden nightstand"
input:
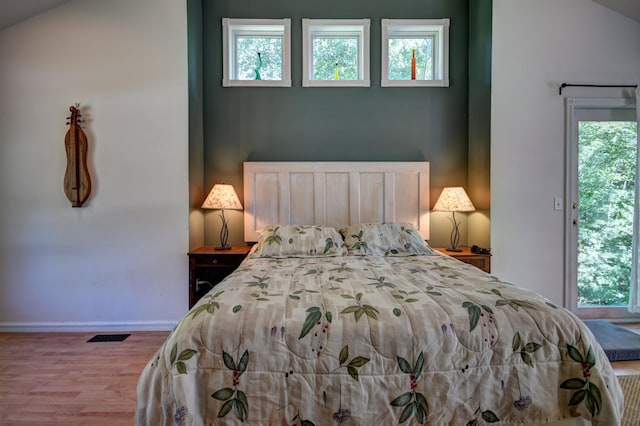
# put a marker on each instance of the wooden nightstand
(208, 266)
(482, 261)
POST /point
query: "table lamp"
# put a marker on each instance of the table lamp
(221, 197)
(454, 199)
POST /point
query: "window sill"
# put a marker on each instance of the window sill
(336, 83)
(414, 83)
(256, 83)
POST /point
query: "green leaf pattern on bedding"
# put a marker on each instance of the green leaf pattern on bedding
(412, 401)
(384, 239)
(587, 393)
(272, 236)
(298, 240)
(358, 245)
(359, 309)
(400, 340)
(353, 365)
(234, 399)
(524, 349)
(208, 304)
(178, 360)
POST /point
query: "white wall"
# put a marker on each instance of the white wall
(537, 45)
(119, 262)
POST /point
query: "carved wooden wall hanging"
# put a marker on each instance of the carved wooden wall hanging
(77, 183)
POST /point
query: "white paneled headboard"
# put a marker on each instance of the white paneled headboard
(335, 194)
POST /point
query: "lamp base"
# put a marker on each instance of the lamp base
(223, 248)
(454, 249)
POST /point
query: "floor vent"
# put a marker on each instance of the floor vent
(108, 337)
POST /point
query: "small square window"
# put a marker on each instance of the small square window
(335, 52)
(415, 52)
(256, 52)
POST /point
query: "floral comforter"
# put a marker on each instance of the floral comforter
(375, 340)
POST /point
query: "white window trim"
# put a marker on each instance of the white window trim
(572, 117)
(407, 27)
(230, 27)
(358, 27)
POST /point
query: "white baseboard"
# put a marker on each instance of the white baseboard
(71, 327)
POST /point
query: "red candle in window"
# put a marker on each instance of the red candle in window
(413, 64)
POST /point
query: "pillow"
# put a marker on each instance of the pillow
(299, 241)
(384, 239)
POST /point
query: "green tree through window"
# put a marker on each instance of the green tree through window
(400, 53)
(270, 49)
(607, 167)
(329, 52)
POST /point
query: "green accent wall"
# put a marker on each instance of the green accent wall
(479, 171)
(338, 124)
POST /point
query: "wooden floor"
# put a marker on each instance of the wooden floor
(60, 379)
(624, 368)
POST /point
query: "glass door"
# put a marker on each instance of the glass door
(602, 149)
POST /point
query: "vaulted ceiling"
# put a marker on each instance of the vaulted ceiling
(630, 8)
(14, 11)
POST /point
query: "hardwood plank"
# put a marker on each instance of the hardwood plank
(60, 379)
(624, 368)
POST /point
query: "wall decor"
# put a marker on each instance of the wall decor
(77, 182)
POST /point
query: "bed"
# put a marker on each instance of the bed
(343, 314)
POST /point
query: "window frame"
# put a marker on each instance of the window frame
(577, 110)
(416, 28)
(232, 28)
(360, 28)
